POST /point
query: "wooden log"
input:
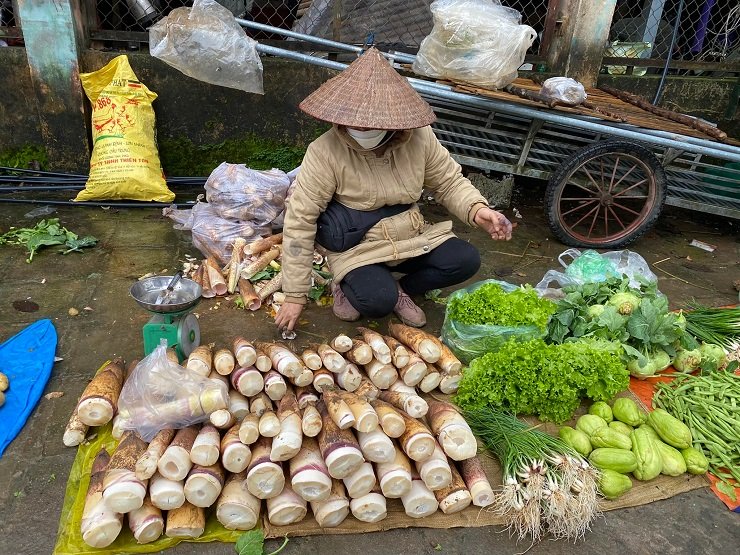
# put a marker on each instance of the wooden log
(381, 351)
(390, 420)
(360, 353)
(200, 360)
(341, 343)
(122, 490)
(455, 497)
(175, 463)
(311, 359)
(146, 465)
(249, 430)
(76, 430)
(244, 351)
(146, 523)
(249, 296)
(224, 362)
(216, 278)
(264, 244)
(309, 476)
(99, 400)
(235, 456)
(477, 482)
(362, 481)
(166, 494)
(206, 448)
(265, 478)
(204, 484)
(331, 512)
(419, 501)
(187, 521)
(100, 525)
(286, 508)
(237, 508)
(287, 443)
(339, 448)
(275, 385)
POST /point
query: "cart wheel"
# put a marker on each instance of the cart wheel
(607, 196)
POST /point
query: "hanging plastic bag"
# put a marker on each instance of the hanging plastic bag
(469, 341)
(591, 266)
(213, 235)
(241, 193)
(565, 90)
(477, 41)
(160, 394)
(125, 162)
(205, 42)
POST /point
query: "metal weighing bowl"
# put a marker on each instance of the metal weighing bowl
(185, 295)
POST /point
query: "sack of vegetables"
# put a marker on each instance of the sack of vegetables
(484, 316)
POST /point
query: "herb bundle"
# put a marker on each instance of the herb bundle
(46, 233)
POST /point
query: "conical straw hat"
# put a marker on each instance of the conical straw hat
(370, 94)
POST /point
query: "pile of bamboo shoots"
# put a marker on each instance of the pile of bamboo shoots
(340, 428)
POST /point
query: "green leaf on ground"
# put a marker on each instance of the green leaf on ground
(250, 543)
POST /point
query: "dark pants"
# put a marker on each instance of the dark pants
(372, 289)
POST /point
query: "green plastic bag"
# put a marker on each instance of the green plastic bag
(469, 341)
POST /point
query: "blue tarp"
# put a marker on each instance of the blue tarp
(26, 358)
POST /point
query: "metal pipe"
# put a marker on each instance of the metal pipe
(669, 57)
(446, 93)
(406, 58)
(92, 204)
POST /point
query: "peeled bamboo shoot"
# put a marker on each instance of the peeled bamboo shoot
(431, 380)
(244, 351)
(275, 385)
(311, 423)
(309, 476)
(338, 409)
(100, 525)
(175, 463)
(452, 431)
(265, 478)
(477, 482)
(283, 359)
(381, 351)
(235, 456)
(224, 362)
(332, 512)
(269, 424)
(200, 360)
(259, 404)
(341, 343)
(249, 430)
(237, 509)
(339, 448)
(455, 497)
(187, 521)
(360, 353)
(287, 443)
(417, 441)
(426, 346)
(250, 269)
(263, 362)
(419, 501)
(304, 379)
(382, 375)
(146, 522)
(333, 361)
(306, 396)
(349, 379)
(238, 405)
(311, 359)
(204, 484)
(286, 508)
(367, 389)
(117, 427)
(322, 379)
(75, 432)
(222, 419)
(100, 398)
(206, 448)
(435, 471)
(400, 355)
(123, 491)
(411, 403)
(362, 481)
(394, 477)
(376, 446)
(414, 370)
(166, 494)
(146, 465)
(271, 287)
(448, 362)
(366, 419)
(449, 383)
(248, 381)
(369, 508)
(391, 421)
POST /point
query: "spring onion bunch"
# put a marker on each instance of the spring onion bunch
(547, 486)
(720, 326)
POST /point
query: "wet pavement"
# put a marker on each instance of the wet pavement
(133, 242)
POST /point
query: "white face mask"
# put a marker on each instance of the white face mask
(367, 139)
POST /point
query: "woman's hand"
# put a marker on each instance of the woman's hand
(494, 223)
(287, 316)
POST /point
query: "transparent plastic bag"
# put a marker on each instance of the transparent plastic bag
(591, 266)
(478, 41)
(566, 90)
(237, 192)
(160, 394)
(205, 42)
(469, 341)
(213, 235)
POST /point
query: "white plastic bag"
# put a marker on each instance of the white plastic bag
(478, 41)
(590, 266)
(160, 394)
(205, 42)
(566, 90)
(240, 193)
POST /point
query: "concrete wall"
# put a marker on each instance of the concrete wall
(19, 119)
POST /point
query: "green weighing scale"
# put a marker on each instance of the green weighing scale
(172, 319)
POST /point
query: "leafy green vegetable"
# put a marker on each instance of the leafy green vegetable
(548, 380)
(46, 233)
(490, 304)
(252, 543)
(268, 273)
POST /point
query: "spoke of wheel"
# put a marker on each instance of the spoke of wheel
(621, 178)
(578, 207)
(617, 218)
(592, 199)
(633, 196)
(586, 216)
(601, 163)
(620, 193)
(583, 188)
(626, 209)
(598, 189)
(593, 222)
(614, 174)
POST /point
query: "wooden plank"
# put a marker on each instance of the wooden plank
(675, 64)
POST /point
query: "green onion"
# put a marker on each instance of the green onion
(714, 325)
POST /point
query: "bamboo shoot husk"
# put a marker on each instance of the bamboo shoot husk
(376, 446)
(455, 497)
(249, 430)
(334, 510)
(146, 465)
(306, 396)
(283, 359)
(419, 501)
(362, 481)
(426, 346)
(222, 419)
(200, 360)
(248, 381)
(390, 420)
(414, 405)
(287, 443)
(269, 424)
(218, 283)
(206, 448)
(382, 375)
(197, 276)
(204, 484)
(322, 379)
(452, 431)
(244, 351)
(99, 400)
(117, 427)
(304, 379)
(414, 371)
(146, 522)
(238, 405)
(123, 491)
(206, 289)
(311, 423)
(394, 477)
(380, 349)
(341, 343)
(224, 362)
(264, 244)
(265, 478)
(339, 448)
(360, 353)
(349, 379)
(435, 471)
(431, 380)
(366, 419)
(249, 296)
(367, 389)
(172, 356)
(166, 494)
(235, 456)
(333, 361)
(311, 359)
(309, 476)
(76, 430)
(274, 385)
(476, 481)
(251, 268)
(175, 463)
(236, 508)
(263, 362)
(369, 508)
(449, 384)
(259, 404)
(273, 286)
(338, 409)
(100, 525)
(286, 508)
(187, 521)
(400, 355)
(417, 441)
(234, 267)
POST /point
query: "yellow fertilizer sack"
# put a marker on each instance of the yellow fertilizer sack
(125, 162)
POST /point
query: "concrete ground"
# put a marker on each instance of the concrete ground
(34, 469)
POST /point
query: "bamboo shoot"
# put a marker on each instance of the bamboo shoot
(476, 481)
(414, 371)
(431, 380)
(366, 419)
(416, 441)
(234, 266)
(275, 385)
(100, 525)
(455, 497)
(244, 351)
(249, 296)
(449, 383)
(361, 482)
(419, 501)
(286, 508)
(146, 522)
(376, 446)
(187, 521)
(382, 375)
(273, 286)
(311, 359)
(264, 244)
(100, 398)
(309, 476)
(448, 362)
(322, 379)
(235, 456)
(238, 405)
(283, 359)
(146, 465)
(222, 419)
(360, 353)
(175, 463)
(248, 381)
(269, 424)
(338, 409)
(334, 510)
(166, 494)
(204, 484)
(206, 448)
(380, 349)
(311, 423)
(411, 403)
(423, 344)
(333, 361)
(200, 360)
(265, 478)
(435, 471)
(207, 291)
(390, 420)
(263, 362)
(400, 355)
(339, 448)
(250, 269)
(349, 379)
(306, 396)
(341, 343)
(259, 404)
(75, 432)
(224, 362)
(123, 491)
(237, 509)
(369, 508)
(367, 389)
(304, 379)
(287, 443)
(218, 283)
(452, 431)
(394, 477)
